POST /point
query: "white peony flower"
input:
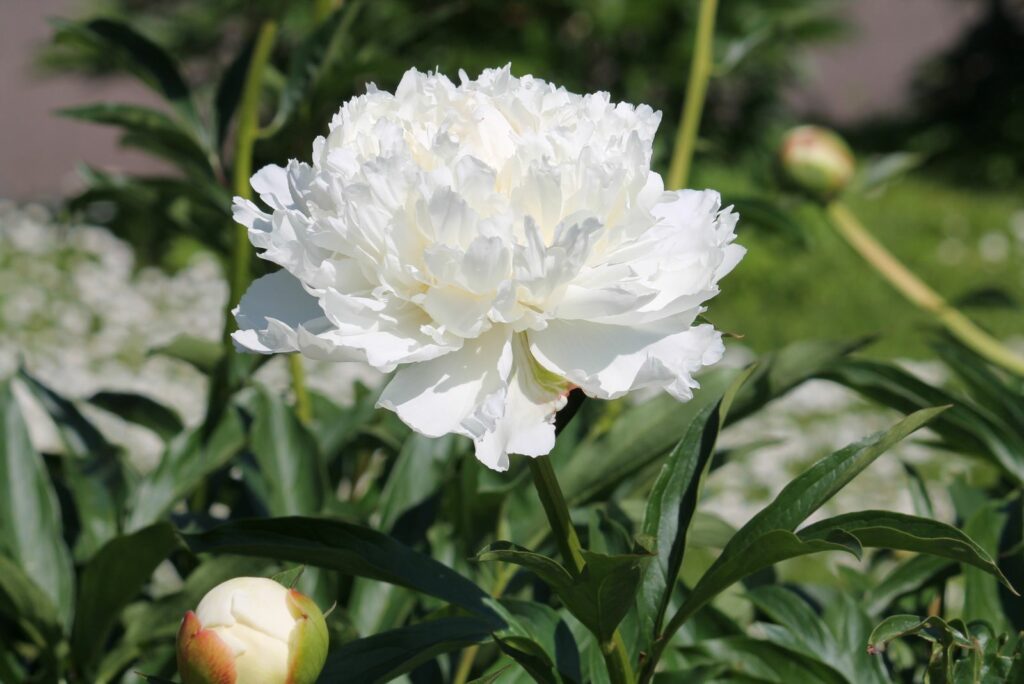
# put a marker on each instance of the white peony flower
(498, 242)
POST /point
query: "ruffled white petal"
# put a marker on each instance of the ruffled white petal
(271, 311)
(607, 361)
(435, 397)
(494, 241)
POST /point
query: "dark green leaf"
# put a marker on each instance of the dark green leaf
(803, 630)
(416, 476)
(25, 604)
(382, 657)
(909, 576)
(966, 426)
(981, 589)
(286, 454)
(139, 55)
(150, 130)
(599, 597)
(306, 62)
(289, 577)
(671, 506)
(908, 533)
(113, 577)
(987, 298)
(229, 92)
(762, 661)
(539, 640)
(767, 538)
(93, 471)
(136, 408)
(347, 548)
(186, 461)
(933, 628)
(637, 438)
(30, 519)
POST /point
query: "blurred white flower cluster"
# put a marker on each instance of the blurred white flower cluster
(79, 315)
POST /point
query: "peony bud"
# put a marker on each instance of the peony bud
(252, 630)
(817, 161)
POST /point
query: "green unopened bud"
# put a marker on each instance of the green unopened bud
(252, 630)
(817, 161)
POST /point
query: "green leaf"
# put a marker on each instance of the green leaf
(803, 630)
(306, 62)
(908, 533)
(93, 471)
(780, 371)
(671, 506)
(201, 353)
(113, 577)
(966, 426)
(383, 657)
(762, 661)
(636, 439)
(286, 454)
(150, 130)
(767, 538)
(31, 531)
(933, 629)
(909, 576)
(144, 411)
(336, 427)
(288, 578)
(25, 604)
(981, 589)
(539, 640)
(139, 55)
(186, 462)
(229, 92)
(416, 476)
(599, 597)
(347, 548)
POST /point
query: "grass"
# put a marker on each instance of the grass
(959, 241)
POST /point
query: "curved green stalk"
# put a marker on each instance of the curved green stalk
(616, 660)
(696, 91)
(919, 293)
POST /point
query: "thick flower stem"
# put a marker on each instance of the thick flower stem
(248, 131)
(557, 510)
(696, 90)
(918, 292)
(616, 659)
(240, 271)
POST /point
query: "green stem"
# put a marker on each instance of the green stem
(620, 671)
(248, 131)
(323, 8)
(303, 406)
(918, 292)
(240, 273)
(557, 511)
(696, 90)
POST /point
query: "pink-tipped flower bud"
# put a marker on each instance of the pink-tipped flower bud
(252, 630)
(817, 161)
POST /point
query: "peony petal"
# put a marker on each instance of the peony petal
(607, 361)
(270, 311)
(435, 397)
(524, 413)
